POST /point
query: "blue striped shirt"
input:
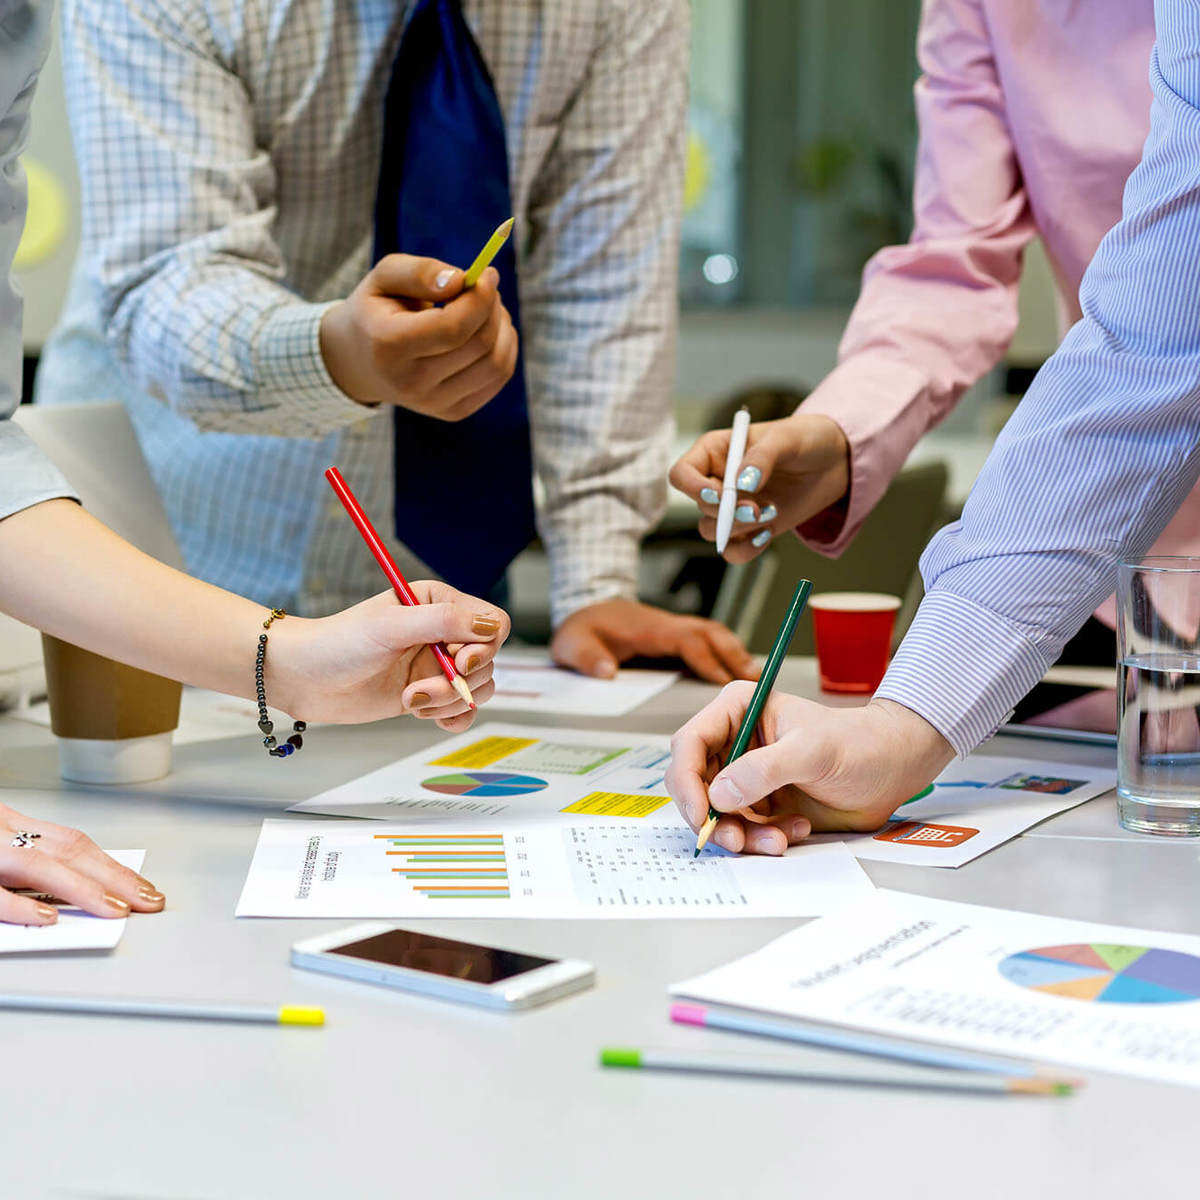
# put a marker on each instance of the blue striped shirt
(1099, 454)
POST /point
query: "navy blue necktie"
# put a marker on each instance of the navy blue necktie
(464, 494)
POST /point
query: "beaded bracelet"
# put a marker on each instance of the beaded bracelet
(265, 724)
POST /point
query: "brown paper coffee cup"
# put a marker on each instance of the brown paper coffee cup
(114, 722)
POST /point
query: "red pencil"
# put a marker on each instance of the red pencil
(388, 564)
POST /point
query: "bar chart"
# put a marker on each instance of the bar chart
(466, 866)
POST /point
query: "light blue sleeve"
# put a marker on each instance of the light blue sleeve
(1100, 453)
(26, 477)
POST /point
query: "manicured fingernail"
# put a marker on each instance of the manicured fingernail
(474, 662)
(761, 539)
(122, 906)
(724, 838)
(606, 669)
(710, 496)
(800, 828)
(420, 700)
(749, 479)
(744, 513)
(443, 278)
(768, 514)
(149, 895)
(725, 790)
(47, 912)
(484, 625)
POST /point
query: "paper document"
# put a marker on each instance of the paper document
(75, 929)
(515, 770)
(1047, 989)
(204, 716)
(529, 681)
(531, 868)
(976, 805)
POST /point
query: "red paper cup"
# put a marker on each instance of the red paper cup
(853, 632)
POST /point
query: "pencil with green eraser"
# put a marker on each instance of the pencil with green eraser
(484, 257)
(766, 681)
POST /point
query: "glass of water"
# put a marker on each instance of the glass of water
(1158, 693)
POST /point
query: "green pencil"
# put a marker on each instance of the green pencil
(766, 681)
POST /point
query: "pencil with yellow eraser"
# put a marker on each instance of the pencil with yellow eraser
(188, 1010)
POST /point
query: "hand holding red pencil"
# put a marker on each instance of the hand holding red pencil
(473, 635)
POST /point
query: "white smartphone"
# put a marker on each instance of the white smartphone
(438, 966)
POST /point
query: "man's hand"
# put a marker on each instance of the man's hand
(389, 343)
(812, 769)
(596, 639)
(793, 469)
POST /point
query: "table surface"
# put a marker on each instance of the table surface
(400, 1095)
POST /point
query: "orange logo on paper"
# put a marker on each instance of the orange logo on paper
(914, 832)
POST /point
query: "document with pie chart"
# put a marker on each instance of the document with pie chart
(514, 771)
(1040, 989)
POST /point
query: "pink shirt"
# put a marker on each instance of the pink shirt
(1032, 114)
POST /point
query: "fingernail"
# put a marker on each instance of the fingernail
(47, 912)
(724, 838)
(761, 539)
(606, 669)
(443, 278)
(473, 664)
(710, 496)
(420, 700)
(744, 513)
(800, 829)
(749, 479)
(725, 790)
(149, 895)
(116, 902)
(484, 625)
(768, 514)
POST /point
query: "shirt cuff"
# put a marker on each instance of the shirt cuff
(27, 477)
(962, 668)
(589, 563)
(295, 381)
(873, 400)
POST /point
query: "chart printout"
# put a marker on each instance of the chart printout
(514, 771)
(532, 869)
(1044, 989)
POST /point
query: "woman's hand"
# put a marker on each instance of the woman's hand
(792, 470)
(66, 864)
(812, 769)
(373, 660)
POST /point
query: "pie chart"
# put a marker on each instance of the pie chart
(1106, 974)
(484, 783)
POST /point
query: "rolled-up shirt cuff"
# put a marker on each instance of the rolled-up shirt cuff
(962, 667)
(27, 477)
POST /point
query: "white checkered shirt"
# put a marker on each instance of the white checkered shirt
(229, 152)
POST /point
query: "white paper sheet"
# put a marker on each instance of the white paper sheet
(74, 930)
(514, 770)
(1039, 988)
(204, 716)
(531, 868)
(528, 681)
(976, 805)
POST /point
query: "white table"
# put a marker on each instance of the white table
(401, 1096)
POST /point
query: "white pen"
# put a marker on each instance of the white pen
(733, 465)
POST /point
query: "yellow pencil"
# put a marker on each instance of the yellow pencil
(485, 256)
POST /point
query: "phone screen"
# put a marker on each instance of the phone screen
(441, 956)
(1068, 707)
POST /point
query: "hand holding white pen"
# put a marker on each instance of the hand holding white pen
(733, 464)
(785, 473)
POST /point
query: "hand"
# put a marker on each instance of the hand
(814, 769)
(69, 866)
(795, 468)
(594, 640)
(387, 343)
(373, 660)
